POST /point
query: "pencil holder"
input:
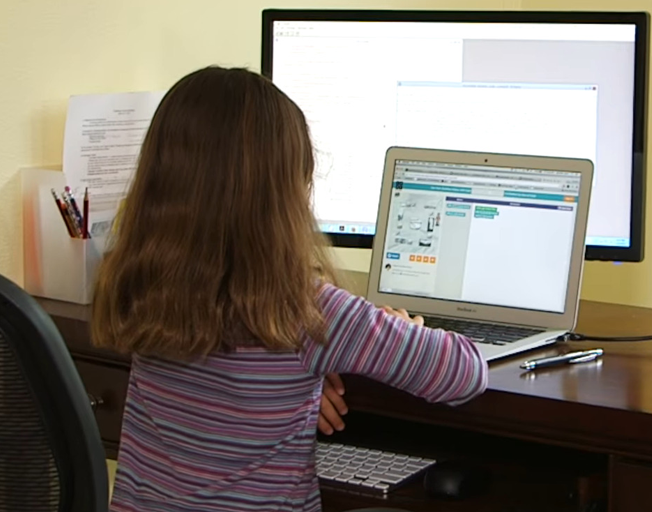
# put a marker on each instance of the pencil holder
(56, 266)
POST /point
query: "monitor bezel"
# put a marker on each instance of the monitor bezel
(635, 251)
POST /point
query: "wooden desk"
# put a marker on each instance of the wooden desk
(601, 409)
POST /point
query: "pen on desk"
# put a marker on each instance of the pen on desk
(85, 219)
(64, 213)
(570, 358)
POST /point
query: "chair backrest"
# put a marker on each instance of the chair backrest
(51, 454)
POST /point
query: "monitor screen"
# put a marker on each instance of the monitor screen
(447, 224)
(547, 84)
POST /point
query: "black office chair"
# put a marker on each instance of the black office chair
(51, 455)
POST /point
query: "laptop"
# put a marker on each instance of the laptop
(487, 245)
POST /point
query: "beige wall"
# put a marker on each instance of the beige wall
(50, 49)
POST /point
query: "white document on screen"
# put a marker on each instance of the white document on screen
(103, 137)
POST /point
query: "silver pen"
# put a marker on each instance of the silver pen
(570, 358)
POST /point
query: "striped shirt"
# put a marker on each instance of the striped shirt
(236, 432)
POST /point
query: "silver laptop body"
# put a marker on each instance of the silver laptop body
(489, 245)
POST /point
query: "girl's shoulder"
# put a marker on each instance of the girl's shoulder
(335, 302)
(330, 295)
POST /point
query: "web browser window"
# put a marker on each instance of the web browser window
(480, 234)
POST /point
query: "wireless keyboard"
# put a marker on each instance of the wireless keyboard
(362, 469)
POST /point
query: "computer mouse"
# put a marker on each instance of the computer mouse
(454, 479)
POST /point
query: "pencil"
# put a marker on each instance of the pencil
(64, 213)
(74, 221)
(85, 218)
(75, 211)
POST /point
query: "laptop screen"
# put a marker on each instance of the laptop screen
(479, 234)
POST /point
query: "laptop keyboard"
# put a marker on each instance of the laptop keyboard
(365, 470)
(481, 332)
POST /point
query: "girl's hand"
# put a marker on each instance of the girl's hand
(332, 405)
(401, 313)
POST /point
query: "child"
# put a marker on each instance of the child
(220, 286)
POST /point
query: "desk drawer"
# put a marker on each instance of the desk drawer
(109, 385)
(631, 486)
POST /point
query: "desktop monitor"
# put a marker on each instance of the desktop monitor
(536, 83)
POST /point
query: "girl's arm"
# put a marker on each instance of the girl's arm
(361, 339)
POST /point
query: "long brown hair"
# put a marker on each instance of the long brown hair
(217, 241)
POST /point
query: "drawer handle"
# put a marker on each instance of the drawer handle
(95, 401)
